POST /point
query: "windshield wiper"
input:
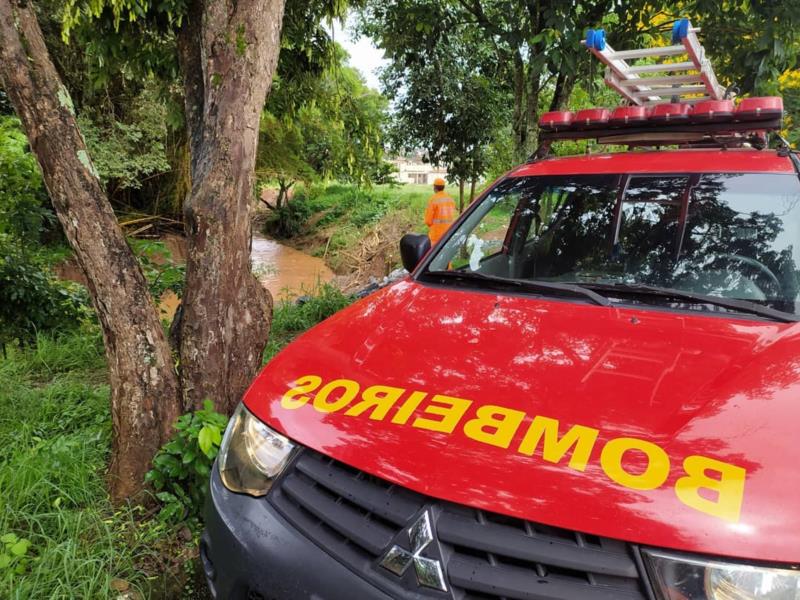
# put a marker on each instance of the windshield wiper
(533, 285)
(733, 304)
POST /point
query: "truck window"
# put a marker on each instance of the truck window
(720, 234)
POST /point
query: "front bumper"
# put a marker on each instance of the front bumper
(249, 551)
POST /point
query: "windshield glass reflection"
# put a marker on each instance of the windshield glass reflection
(721, 235)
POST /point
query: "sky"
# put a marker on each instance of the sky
(364, 56)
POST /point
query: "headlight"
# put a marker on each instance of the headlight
(683, 578)
(252, 455)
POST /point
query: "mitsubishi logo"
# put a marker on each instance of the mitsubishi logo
(428, 570)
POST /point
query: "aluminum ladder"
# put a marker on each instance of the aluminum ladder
(689, 81)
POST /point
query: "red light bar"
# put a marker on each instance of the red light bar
(707, 123)
(629, 115)
(554, 121)
(591, 117)
(712, 111)
(751, 109)
(670, 113)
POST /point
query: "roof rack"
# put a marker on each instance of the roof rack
(690, 80)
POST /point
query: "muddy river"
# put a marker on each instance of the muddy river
(284, 271)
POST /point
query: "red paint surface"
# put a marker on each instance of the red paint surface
(726, 388)
(676, 161)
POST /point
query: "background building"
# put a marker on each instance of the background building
(411, 169)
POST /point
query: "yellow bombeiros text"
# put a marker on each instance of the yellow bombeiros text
(705, 484)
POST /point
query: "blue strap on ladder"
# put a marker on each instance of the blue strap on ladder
(680, 29)
(596, 38)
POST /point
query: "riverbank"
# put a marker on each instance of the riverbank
(355, 231)
(342, 234)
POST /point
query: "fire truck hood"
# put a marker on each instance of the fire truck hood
(634, 394)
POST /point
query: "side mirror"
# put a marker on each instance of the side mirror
(413, 247)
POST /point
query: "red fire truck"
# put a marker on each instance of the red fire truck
(588, 389)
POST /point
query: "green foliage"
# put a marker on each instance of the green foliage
(292, 318)
(447, 106)
(14, 556)
(750, 42)
(161, 272)
(32, 300)
(790, 90)
(24, 207)
(500, 153)
(282, 152)
(125, 150)
(288, 220)
(128, 37)
(318, 127)
(182, 467)
(55, 435)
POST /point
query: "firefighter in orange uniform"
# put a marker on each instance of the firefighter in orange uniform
(441, 211)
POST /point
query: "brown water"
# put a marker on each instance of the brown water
(284, 271)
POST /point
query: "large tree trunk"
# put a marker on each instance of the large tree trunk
(534, 88)
(565, 83)
(228, 53)
(144, 388)
(519, 121)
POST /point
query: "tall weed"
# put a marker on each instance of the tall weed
(55, 432)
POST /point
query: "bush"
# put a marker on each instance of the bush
(161, 272)
(24, 207)
(289, 220)
(128, 148)
(182, 467)
(31, 299)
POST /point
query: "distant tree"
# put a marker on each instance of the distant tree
(527, 48)
(282, 156)
(321, 126)
(448, 105)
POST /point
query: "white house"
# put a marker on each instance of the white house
(411, 169)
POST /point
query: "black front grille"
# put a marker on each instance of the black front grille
(355, 516)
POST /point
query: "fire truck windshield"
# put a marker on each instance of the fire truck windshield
(636, 237)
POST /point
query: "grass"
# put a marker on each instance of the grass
(55, 438)
(55, 434)
(290, 319)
